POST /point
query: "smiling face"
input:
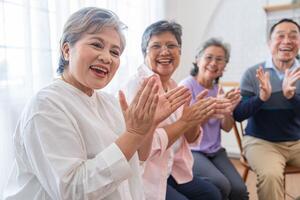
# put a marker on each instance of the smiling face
(163, 55)
(211, 64)
(284, 43)
(93, 60)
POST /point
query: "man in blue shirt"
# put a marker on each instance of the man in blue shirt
(271, 103)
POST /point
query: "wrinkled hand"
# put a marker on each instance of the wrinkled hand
(264, 84)
(139, 116)
(223, 108)
(169, 102)
(226, 102)
(234, 95)
(289, 82)
(200, 111)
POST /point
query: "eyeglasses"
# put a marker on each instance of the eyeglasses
(218, 60)
(292, 36)
(158, 47)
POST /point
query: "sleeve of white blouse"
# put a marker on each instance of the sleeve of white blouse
(58, 158)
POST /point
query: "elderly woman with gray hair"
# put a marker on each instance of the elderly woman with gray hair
(168, 170)
(210, 159)
(72, 141)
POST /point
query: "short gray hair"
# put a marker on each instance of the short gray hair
(88, 20)
(216, 43)
(208, 43)
(161, 27)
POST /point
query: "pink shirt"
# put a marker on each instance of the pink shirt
(156, 169)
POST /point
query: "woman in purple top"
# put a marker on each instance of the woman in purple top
(211, 161)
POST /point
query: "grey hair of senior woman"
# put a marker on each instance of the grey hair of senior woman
(208, 43)
(158, 28)
(88, 20)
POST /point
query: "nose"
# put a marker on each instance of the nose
(287, 39)
(164, 50)
(105, 57)
(214, 61)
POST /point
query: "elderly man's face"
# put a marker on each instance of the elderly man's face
(285, 42)
(163, 54)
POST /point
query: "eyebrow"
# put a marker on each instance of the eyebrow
(210, 54)
(97, 38)
(103, 41)
(168, 42)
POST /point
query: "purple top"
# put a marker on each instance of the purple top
(211, 138)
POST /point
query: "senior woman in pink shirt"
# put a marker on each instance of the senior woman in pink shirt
(168, 170)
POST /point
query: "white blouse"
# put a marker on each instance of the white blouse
(64, 147)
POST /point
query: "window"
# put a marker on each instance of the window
(29, 41)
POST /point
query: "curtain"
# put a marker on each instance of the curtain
(29, 41)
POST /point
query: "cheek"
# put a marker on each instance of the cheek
(222, 68)
(298, 44)
(150, 61)
(297, 47)
(74, 66)
(116, 66)
(274, 47)
(79, 62)
(221, 71)
(177, 58)
(201, 66)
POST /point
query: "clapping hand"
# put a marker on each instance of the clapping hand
(264, 84)
(289, 82)
(200, 111)
(234, 95)
(226, 102)
(139, 115)
(169, 102)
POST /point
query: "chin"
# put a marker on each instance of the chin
(166, 74)
(287, 59)
(98, 86)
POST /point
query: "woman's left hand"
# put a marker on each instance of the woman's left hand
(228, 100)
(169, 102)
(234, 95)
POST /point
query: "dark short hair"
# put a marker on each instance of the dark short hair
(158, 28)
(208, 43)
(283, 21)
(88, 20)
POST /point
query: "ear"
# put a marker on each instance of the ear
(66, 50)
(269, 41)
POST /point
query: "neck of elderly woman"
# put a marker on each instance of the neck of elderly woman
(68, 78)
(165, 81)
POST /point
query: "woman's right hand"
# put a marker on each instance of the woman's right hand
(139, 115)
(200, 111)
(205, 108)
